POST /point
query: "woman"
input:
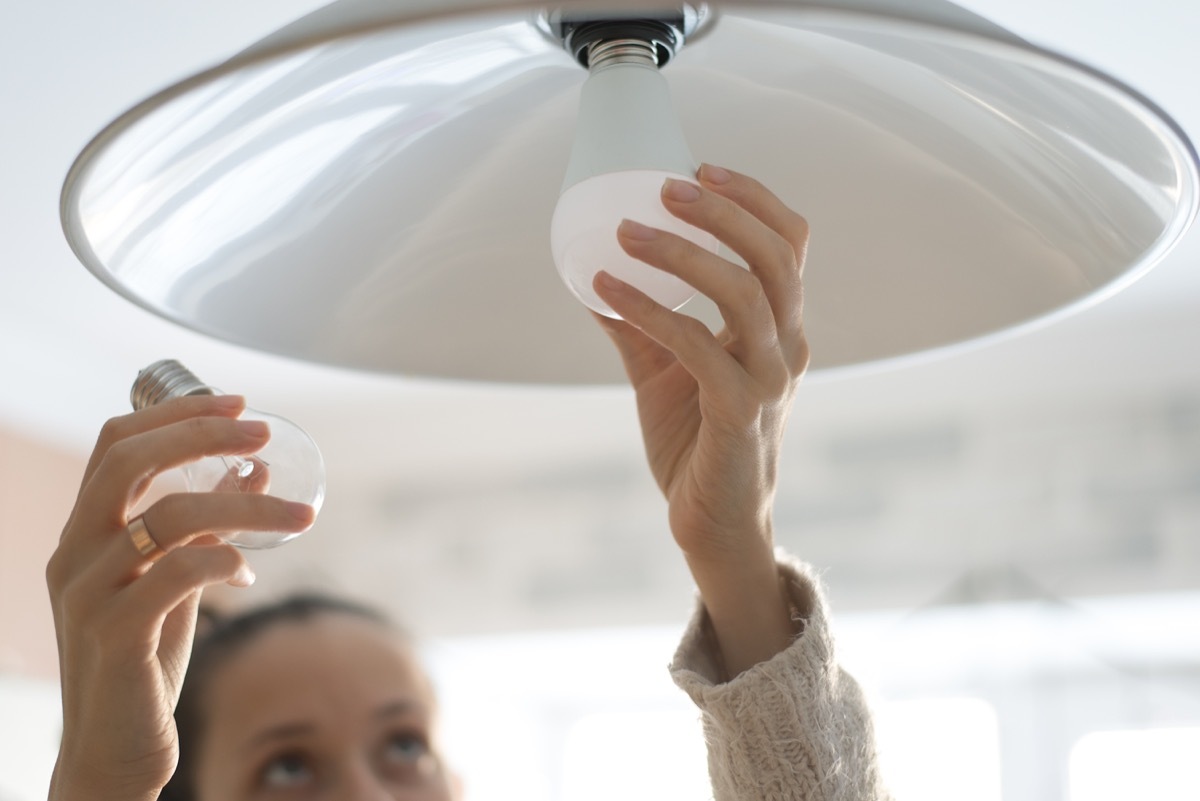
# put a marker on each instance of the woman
(782, 722)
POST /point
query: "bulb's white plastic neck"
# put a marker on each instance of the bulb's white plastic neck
(626, 120)
(604, 54)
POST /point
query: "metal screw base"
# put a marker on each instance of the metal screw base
(665, 30)
(603, 54)
(164, 380)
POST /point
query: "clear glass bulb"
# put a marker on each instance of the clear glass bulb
(627, 143)
(289, 466)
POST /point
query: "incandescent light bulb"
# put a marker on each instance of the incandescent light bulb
(627, 143)
(289, 466)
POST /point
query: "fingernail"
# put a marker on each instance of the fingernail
(255, 429)
(714, 175)
(244, 577)
(635, 230)
(300, 511)
(683, 191)
(609, 281)
(228, 401)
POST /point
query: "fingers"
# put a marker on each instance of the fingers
(130, 450)
(175, 520)
(118, 428)
(87, 605)
(762, 307)
(186, 526)
(776, 258)
(687, 339)
(761, 203)
(187, 521)
(138, 610)
(738, 295)
(769, 253)
(130, 463)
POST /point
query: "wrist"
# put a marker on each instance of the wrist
(728, 548)
(736, 579)
(72, 781)
(719, 537)
(748, 608)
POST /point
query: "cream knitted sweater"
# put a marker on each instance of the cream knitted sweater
(794, 728)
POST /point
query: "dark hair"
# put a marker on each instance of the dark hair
(217, 639)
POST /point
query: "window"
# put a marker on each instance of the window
(635, 755)
(940, 749)
(30, 722)
(1146, 763)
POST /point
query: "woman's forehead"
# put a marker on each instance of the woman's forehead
(328, 662)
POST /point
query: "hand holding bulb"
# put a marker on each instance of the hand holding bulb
(289, 466)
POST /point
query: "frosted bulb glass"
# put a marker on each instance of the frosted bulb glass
(627, 143)
(289, 466)
(583, 235)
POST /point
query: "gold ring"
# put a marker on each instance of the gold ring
(145, 544)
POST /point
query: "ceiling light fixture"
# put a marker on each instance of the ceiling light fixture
(371, 186)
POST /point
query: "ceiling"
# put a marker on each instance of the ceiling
(497, 476)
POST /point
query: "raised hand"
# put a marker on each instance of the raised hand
(125, 592)
(713, 408)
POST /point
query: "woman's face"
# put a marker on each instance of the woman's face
(335, 707)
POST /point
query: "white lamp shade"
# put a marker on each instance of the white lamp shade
(373, 186)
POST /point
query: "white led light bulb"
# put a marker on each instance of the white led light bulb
(627, 143)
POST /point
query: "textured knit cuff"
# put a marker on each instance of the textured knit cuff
(698, 663)
(792, 728)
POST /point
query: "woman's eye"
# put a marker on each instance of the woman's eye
(286, 770)
(406, 747)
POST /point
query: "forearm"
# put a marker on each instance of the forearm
(746, 604)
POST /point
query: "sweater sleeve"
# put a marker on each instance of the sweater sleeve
(793, 728)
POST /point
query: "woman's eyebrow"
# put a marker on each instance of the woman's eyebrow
(281, 732)
(397, 708)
